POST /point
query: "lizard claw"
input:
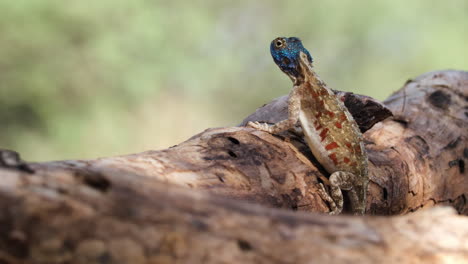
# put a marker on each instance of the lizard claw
(336, 205)
(259, 126)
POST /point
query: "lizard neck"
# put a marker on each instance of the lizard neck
(306, 73)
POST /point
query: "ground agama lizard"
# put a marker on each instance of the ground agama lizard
(330, 131)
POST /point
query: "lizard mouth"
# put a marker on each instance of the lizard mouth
(286, 60)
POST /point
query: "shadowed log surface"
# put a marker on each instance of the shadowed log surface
(129, 209)
(65, 218)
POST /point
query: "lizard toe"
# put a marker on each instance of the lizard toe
(259, 126)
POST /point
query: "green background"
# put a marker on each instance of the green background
(84, 79)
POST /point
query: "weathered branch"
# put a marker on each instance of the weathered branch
(127, 209)
(67, 218)
(416, 158)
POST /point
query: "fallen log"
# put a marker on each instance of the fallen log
(66, 218)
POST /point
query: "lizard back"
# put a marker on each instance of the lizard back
(330, 130)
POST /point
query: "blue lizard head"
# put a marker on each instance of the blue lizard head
(285, 53)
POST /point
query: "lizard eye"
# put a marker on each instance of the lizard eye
(279, 43)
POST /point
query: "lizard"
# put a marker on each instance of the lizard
(329, 129)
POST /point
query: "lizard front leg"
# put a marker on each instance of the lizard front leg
(294, 104)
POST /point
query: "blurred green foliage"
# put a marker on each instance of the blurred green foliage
(81, 79)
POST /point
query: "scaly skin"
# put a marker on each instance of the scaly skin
(331, 133)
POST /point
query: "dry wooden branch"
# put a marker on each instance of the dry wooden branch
(61, 217)
(127, 209)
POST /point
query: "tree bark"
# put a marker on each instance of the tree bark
(129, 209)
